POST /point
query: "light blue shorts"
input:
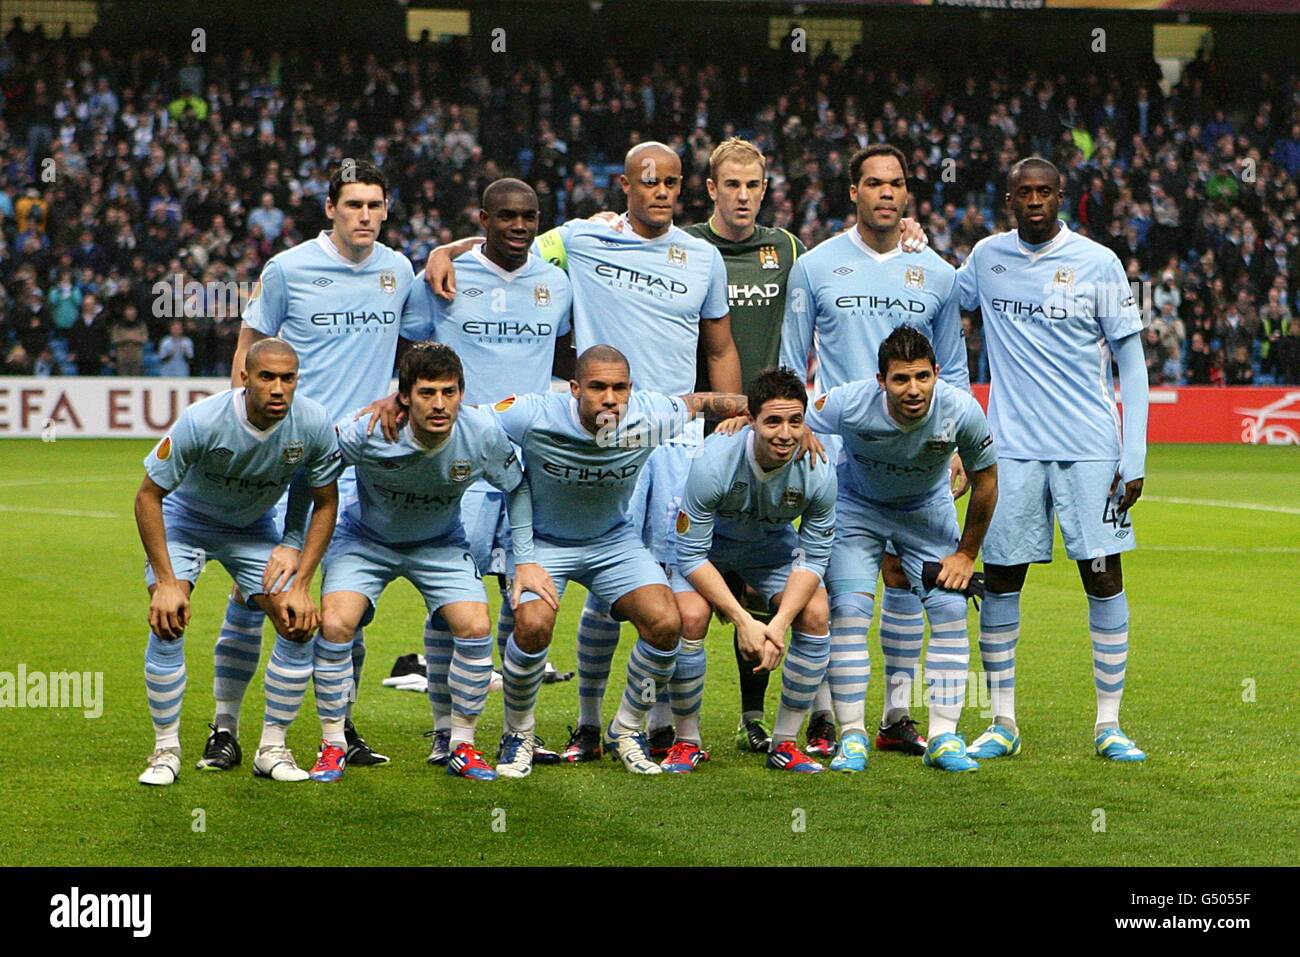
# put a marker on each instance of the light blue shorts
(767, 571)
(443, 572)
(1077, 493)
(609, 568)
(193, 539)
(487, 528)
(925, 533)
(347, 482)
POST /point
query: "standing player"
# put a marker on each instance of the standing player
(208, 492)
(584, 453)
(743, 493)
(845, 297)
(899, 434)
(405, 521)
(340, 300)
(1056, 307)
(510, 325)
(653, 292)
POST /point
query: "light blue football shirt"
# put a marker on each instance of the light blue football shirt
(218, 465)
(409, 494)
(581, 483)
(731, 499)
(1051, 317)
(502, 324)
(844, 299)
(901, 466)
(342, 318)
(644, 297)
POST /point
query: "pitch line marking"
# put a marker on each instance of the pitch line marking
(66, 512)
(19, 483)
(1220, 503)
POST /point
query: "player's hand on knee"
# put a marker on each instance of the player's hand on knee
(955, 572)
(809, 444)
(914, 238)
(440, 274)
(282, 566)
(732, 425)
(388, 413)
(169, 611)
(296, 616)
(957, 479)
(532, 577)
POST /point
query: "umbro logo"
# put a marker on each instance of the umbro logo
(323, 281)
(843, 270)
(999, 269)
(472, 292)
(224, 452)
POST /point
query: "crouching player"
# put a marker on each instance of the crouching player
(742, 494)
(405, 522)
(209, 490)
(584, 452)
(899, 434)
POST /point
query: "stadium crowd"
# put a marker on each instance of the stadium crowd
(173, 179)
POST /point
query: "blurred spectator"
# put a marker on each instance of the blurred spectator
(128, 336)
(88, 339)
(1288, 355)
(1238, 370)
(1154, 353)
(176, 351)
(1199, 361)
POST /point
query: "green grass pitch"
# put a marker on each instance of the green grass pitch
(1212, 696)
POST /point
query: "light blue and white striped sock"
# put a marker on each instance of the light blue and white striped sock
(438, 648)
(239, 647)
(999, 632)
(505, 624)
(521, 674)
(947, 660)
(358, 662)
(164, 683)
(1108, 622)
(849, 669)
(801, 675)
(648, 671)
(597, 641)
(685, 691)
(287, 675)
(468, 678)
(332, 667)
(902, 631)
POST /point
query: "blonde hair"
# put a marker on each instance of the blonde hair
(734, 148)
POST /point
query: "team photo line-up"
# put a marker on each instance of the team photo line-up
(780, 521)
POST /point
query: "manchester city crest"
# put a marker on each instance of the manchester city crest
(1064, 277)
(460, 470)
(388, 281)
(914, 277)
(541, 295)
(676, 256)
(292, 453)
(791, 498)
(767, 257)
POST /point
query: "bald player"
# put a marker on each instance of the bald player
(655, 293)
(209, 491)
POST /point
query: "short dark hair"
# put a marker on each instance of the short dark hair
(775, 383)
(496, 191)
(875, 149)
(599, 353)
(1034, 162)
(429, 360)
(355, 171)
(904, 344)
